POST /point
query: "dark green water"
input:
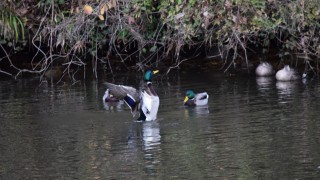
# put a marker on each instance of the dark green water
(251, 129)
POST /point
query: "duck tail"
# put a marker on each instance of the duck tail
(204, 96)
(142, 116)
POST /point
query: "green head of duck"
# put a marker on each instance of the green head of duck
(189, 95)
(148, 75)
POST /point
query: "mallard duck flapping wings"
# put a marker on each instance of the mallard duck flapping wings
(126, 93)
(199, 99)
(146, 101)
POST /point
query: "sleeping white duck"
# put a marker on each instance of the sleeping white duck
(287, 74)
(199, 99)
(264, 69)
(146, 101)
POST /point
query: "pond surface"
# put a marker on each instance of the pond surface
(251, 129)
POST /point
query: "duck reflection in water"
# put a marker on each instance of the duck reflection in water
(286, 87)
(145, 137)
(147, 132)
(285, 91)
(151, 135)
(196, 111)
(264, 83)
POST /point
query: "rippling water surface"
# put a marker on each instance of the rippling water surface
(253, 128)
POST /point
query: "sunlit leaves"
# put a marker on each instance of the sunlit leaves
(87, 9)
(112, 3)
(101, 17)
(103, 9)
(166, 24)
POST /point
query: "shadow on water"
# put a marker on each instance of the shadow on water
(252, 128)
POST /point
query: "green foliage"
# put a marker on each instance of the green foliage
(11, 27)
(164, 27)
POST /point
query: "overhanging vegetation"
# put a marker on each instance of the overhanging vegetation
(142, 33)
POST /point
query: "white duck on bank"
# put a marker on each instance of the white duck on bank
(199, 99)
(264, 69)
(287, 74)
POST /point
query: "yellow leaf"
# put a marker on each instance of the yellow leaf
(109, 5)
(101, 17)
(87, 9)
(112, 4)
(103, 9)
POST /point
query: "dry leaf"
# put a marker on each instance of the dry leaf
(101, 17)
(227, 4)
(178, 16)
(103, 9)
(114, 3)
(22, 11)
(60, 40)
(131, 20)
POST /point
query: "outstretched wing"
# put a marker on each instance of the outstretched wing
(121, 91)
(129, 94)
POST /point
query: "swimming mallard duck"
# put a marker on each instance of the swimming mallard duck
(198, 99)
(146, 101)
(287, 74)
(264, 69)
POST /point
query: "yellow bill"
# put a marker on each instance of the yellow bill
(185, 99)
(155, 72)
